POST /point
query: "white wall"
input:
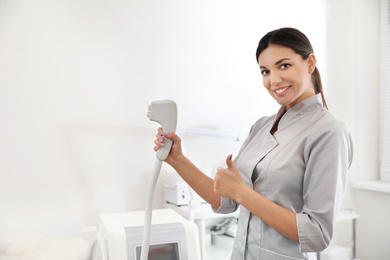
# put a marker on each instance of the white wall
(353, 51)
(76, 78)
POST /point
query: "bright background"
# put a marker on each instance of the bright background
(76, 78)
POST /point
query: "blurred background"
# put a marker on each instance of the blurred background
(76, 78)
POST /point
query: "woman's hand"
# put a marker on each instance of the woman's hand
(176, 152)
(227, 182)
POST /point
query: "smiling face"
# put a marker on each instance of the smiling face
(286, 75)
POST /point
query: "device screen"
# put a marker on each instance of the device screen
(161, 252)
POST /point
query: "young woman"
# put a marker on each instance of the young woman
(289, 176)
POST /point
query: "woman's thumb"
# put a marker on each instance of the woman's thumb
(230, 163)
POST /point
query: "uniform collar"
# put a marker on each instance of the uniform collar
(285, 116)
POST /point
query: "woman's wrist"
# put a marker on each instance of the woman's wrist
(179, 162)
(239, 192)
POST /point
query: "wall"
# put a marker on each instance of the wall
(353, 45)
(76, 78)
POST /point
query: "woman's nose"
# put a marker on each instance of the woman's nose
(275, 78)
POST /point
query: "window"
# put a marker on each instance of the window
(385, 167)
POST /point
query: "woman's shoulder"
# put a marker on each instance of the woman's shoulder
(331, 132)
(329, 126)
(330, 122)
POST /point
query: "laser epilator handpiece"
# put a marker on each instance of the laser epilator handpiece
(164, 112)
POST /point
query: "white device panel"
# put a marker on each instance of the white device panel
(171, 234)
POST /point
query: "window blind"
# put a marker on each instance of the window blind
(385, 167)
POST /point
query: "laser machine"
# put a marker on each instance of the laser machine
(138, 235)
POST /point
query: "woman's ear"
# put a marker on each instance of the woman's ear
(311, 61)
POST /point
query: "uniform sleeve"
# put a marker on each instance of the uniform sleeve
(227, 206)
(328, 157)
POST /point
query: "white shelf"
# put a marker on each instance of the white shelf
(347, 215)
(203, 212)
(373, 185)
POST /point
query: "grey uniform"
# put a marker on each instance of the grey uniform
(303, 168)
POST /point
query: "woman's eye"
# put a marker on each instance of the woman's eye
(285, 66)
(264, 72)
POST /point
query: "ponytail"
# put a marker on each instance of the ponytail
(316, 78)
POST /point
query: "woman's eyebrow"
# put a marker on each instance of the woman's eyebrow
(276, 63)
(279, 61)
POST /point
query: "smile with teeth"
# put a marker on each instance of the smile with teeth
(278, 91)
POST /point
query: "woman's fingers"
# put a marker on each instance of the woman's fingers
(159, 142)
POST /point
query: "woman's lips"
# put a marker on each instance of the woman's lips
(281, 91)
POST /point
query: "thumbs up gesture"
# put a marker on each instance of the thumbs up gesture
(227, 182)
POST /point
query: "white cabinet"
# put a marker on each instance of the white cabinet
(203, 217)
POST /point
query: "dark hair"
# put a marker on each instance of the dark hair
(297, 41)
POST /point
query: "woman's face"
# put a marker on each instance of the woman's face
(286, 75)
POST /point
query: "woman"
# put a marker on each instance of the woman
(289, 176)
